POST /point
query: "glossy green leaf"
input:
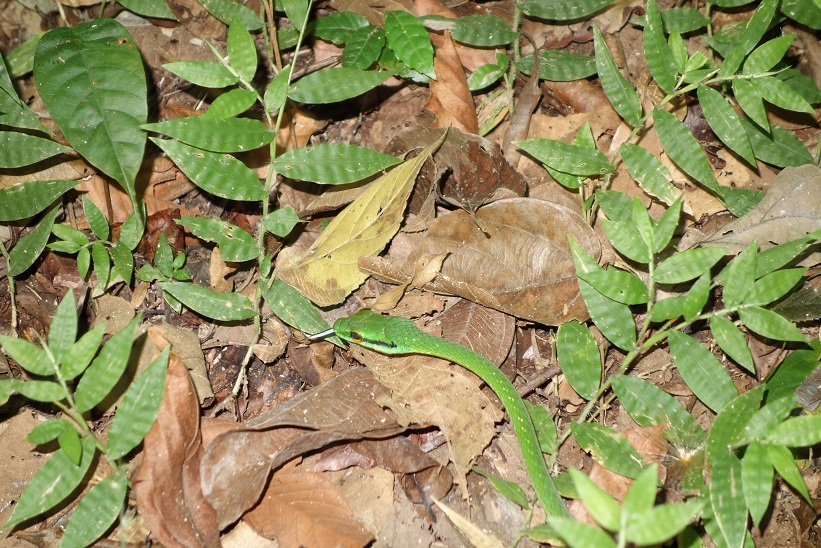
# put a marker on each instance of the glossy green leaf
(226, 11)
(123, 261)
(806, 12)
(648, 171)
(70, 444)
(364, 47)
(138, 409)
(28, 249)
(63, 328)
(69, 234)
(659, 524)
(208, 74)
(732, 342)
(293, 308)
(609, 448)
(666, 227)
(614, 320)
(28, 355)
(770, 324)
(727, 500)
(778, 256)
(649, 405)
(770, 415)
(281, 222)
(216, 134)
(231, 103)
(48, 431)
(803, 431)
(236, 245)
(659, 57)
(755, 29)
(601, 505)
(774, 285)
(21, 149)
(488, 74)
(132, 230)
(332, 85)
(14, 112)
(149, 8)
(780, 147)
(757, 478)
(242, 51)
(483, 30)
(627, 241)
(220, 174)
(51, 484)
(621, 94)
(508, 489)
(559, 65)
(332, 163)
(224, 307)
(107, 368)
(96, 220)
(689, 264)
(784, 463)
(579, 359)
(618, 285)
(92, 80)
(339, 26)
(296, 10)
(276, 94)
(702, 371)
(781, 95)
(767, 55)
(750, 101)
(29, 198)
(102, 263)
(567, 158)
(96, 512)
(680, 20)
(740, 276)
(725, 123)
(410, 42)
(82, 352)
(561, 11)
(688, 305)
(683, 149)
(618, 206)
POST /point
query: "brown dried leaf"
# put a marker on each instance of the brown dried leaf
(236, 464)
(450, 99)
(518, 262)
(483, 330)
(791, 209)
(167, 485)
(306, 509)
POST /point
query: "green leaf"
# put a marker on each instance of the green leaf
(63, 328)
(208, 74)
(806, 12)
(702, 371)
(28, 249)
(609, 448)
(602, 507)
(281, 222)
(332, 163)
(139, 408)
(99, 509)
(14, 112)
(688, 264)
(784, 462)
(220, 174)
(332, 85)
(725, 123)
(567, 158)
(613, 319)
(29, 356)
(779, 148)
(48, 431)
(545, 428)
(793, 371)
(732, 342)
(226, 11)
(666, 227)
(410, 42)
(659, 56)
(29, 198)
(277, 92)
(688, 305)
(618, 90)
(483, 31)
(680, 20)
(561, 11)
(96, 219)
(21, 149)
(106, 369)
(801, 306)
(123, 261)
(132, 230)
(216, 134)
(235, 244)
(727, 500)
(486, 75)
(149, 8)
(102, 263)
(750, 101)
(757, 478)
(642, 494)
(781, 95)
(770, 324)
(559, 65)
(753, 32)
(364, 47)
(649, 405)
(92, 80)
(338, 27)
(657, 525)
(231, 103)
(51, 484)
(618, 206)
(618, 285)
(648, 171)
(224, 307)
(293, 308)
(82, 352)
(242, 51)
(69, 442)
(803, 431)
(627, 241)
(579, 359)
(508, 489)
(764, 421)
(69, 234)
(580, 535)
(774, 285)
(740, 276)
(297, 11)
(767, 55)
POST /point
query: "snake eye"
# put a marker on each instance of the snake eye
(356, 337)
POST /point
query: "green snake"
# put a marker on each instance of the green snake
(393, 335)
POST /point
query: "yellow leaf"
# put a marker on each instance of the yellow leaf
(329, 271)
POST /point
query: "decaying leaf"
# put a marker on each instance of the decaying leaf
(329, 272)
(791, 209)
(450, 98)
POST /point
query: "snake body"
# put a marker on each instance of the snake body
(393, 335)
